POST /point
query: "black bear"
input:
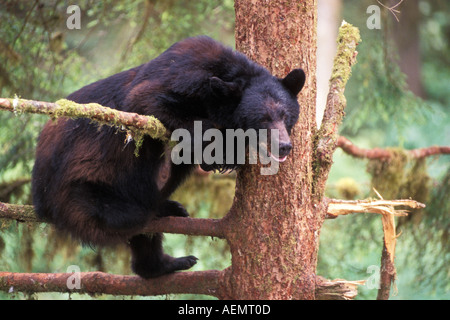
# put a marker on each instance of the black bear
(90, 184)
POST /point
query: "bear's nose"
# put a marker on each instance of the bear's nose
(285, 148)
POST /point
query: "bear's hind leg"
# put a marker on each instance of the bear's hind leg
(149, 260)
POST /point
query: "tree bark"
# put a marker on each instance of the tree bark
(273, 227)
(200, 282)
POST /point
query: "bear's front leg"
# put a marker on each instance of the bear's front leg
(170, 208)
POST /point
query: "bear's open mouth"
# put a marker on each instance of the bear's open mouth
(282, 159)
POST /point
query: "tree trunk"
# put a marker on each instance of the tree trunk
(273, 225)
(405, 33)
(329, 18)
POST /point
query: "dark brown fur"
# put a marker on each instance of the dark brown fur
(89, 183)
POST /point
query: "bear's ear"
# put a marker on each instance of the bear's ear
(223, 88)
(294, 81)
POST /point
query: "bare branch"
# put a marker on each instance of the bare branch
(383, 154)
(211, 282)
(217, 227)
(200, 282)
(337, 289)
(388, 212)
(180, 225)
(188, 226)
(386, 207)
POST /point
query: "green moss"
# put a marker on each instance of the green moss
(400, 176)
(388, 175)
(347, 188)
(112, 117)
(348, 39)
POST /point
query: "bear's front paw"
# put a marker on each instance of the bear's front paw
(184, 263)
(172, 208)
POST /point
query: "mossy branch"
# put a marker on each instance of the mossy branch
(135, 124)
(345, 58)
(326, 138)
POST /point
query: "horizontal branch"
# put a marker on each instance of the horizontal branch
(180, 225)
(344, 207)
(383, 154)
(188, 226)
(199, 282)
(217, 227)
(209, 282)
(18, 212)
(138, 124)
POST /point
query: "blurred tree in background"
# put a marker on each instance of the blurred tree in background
(382, 111)
(41, 59)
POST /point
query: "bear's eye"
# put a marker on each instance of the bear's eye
(282, 115)
(266, 118)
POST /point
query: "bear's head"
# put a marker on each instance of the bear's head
(264, 102)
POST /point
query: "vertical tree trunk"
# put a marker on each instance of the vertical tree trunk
(329, 19)
(273, 225)
(405, 34)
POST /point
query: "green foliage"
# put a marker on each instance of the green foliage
(377, 92)
(378, 95)
(382, 112)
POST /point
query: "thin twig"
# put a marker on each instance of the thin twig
(392, 9)
(25, 22)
